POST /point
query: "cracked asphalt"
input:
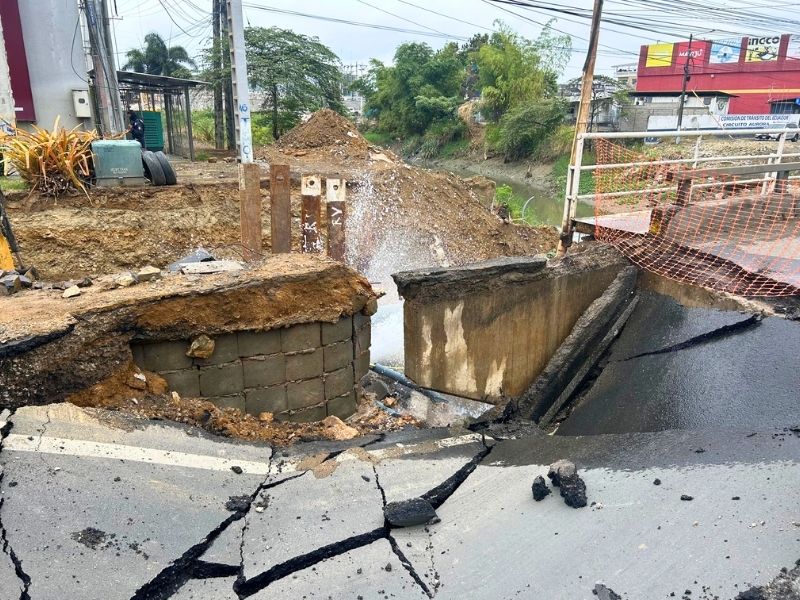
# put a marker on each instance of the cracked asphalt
(96, 505)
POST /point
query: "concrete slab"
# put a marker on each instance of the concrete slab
(373, 571)
(106, 430)
(112, 516)
(639, 539)
(412, 475)
(745, 379)
(307, 513)
(217, 588)
(10, 584)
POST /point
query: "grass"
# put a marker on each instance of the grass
(377, 138)
(455, 148)
(515, 203)
(561, 168)
(8, 184)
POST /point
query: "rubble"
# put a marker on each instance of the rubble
(125, 280)
(201, 347)
(409, 513)
(71, 292)
(540, 489)
(605, 593)
(148, 273)
(564, 475)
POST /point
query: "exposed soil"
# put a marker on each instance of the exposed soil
(149, 399)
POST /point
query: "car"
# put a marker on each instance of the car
(779, 127)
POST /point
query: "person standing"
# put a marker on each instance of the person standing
(137, 127)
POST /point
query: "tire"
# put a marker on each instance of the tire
(796, 137)
(169, 172)
(152, 168)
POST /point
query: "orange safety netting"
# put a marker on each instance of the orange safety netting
(706, 226)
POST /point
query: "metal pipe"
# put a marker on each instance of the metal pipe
(684, 133)
(402, 379)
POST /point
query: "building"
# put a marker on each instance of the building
(755, 75)
(626, 74)
(46, 61)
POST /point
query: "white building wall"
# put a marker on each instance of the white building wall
(6, 96)
(56, 62)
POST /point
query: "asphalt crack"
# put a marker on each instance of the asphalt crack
(440, 494)
(709, 336)
(5, 544)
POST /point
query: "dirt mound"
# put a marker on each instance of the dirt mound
(325, 128)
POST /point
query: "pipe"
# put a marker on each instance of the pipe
(400, 378)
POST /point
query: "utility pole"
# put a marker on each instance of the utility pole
(581, 124)
(686, 78)
(105, 72)
(216, 65)
(249, 175)
(230, 129)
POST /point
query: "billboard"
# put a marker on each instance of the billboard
(659, 55)
(724, 52)
(763, 48)
(694, 53)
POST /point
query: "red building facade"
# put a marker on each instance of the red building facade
(760, 73)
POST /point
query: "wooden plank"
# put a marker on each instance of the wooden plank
(310, 217)
(280, 222)
(250, 210)
(335, 197)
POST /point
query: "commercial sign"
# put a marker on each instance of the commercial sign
(756, 121)
(725, 52)
(763, 48)
(694, 53)
(659, 55)
(793, 49)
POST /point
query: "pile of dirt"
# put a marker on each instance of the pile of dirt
(143, 394)
(325, 128)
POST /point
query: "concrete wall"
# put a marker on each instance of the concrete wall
(300, 373)
(53, 50)
(6, 96)
(486, 331)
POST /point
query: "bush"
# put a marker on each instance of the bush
(524, 128)
(556, 145)
(378, 138)
(504, 195)
(561, 169)
(439, 135)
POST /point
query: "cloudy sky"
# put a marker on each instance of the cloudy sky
(187, 22)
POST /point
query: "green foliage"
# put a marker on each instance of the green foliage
(158, 59)
(524, 128)
(203, 127)
(298, 74)
(439, 135)
(420, 89)
(557, 144)
(561, 168)
(12, 184)
(514, 70)
(504, 196)
(377, 138)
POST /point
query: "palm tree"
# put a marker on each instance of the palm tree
(158, 59)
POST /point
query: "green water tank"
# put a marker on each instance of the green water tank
(118, 163)
(153, 130)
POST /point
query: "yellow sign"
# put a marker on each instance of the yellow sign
(659, 55)
(762, 49)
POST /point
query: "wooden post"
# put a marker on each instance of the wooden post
(280, 222)
(250, 210)
(335, 193)
(311, 190)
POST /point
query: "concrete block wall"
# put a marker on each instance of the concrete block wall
(300, 373)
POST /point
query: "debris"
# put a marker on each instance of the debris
(26, 282)
(84, 283)
(736, 498)
(71, 292)
(564, 475)
(540, 489)
(408, 513)
(266, 417)
(237, 469)
(686, 497)
(388, 567)
(201, 347)
(12, 282)
(336, 429)
(605, 593)
(199, 255)
(237, 503)
(90, 537)
(149, 273)
(125, 279)
(656, 481)
(211, 266)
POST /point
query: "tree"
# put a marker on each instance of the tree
(513, 69)
(297, 73)
(158, 59)
(422, 88)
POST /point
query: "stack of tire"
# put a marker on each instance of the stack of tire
(157, 168)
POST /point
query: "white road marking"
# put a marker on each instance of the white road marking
(52, 445)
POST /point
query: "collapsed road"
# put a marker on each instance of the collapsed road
(102, 505)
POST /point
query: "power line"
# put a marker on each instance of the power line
(399, 17)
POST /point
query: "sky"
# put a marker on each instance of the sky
(187, 23)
